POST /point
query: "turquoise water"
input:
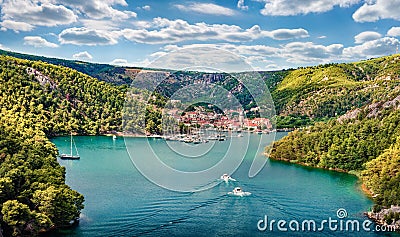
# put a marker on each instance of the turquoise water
(119, 201)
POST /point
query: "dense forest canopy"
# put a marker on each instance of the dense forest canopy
(364, 140)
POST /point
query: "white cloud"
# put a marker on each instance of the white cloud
(120, 62)
(84, 36)
(23, 15)
(99, 9)
(296, 53)
(374, 48)
(240, 5)
(322, 37)
(103, 24)
(206, 8)
(306, 52)
(38, 42)
(82, 56)
(263, 57)
(366, 36)
(16, 26)
(146, 8)
(376, 10)
(394, 31)
(292, 8)
(285, 34)
(272, 67)
(158, 54)
(161, 31)
(248, 50)
(252, 60)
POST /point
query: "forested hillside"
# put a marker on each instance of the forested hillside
(364, 140)
(333, 89)
(59, 99)
(38, 100)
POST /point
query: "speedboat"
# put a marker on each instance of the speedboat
(226, 178)
(239, 192)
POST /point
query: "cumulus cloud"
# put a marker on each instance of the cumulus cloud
(258, 56)
(251, 50)
(146, 8)
(285, 34)
(103, 24)
(120, 62)
(162, 30)
(292, 8)
(375, 10)
(374, 48)
(394, 31)
(84, 36)
(240, 5)
(22, 15)
(38, 42)
(99, 9)
(15, 26)
(366, 36)
(257, 59)
(206, 8)
(294, 54)
(82, 56)
(305, 52)
(25, 15)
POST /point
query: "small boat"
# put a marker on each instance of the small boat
(240, 135)
(197, 141)
(70, 156)
(187, 140)
(114, 137)
(239, 192)
(226, 178)
(212, 138)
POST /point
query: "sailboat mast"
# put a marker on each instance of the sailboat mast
(71, 143)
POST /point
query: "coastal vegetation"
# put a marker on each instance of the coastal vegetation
(40, 100)
(348, 114)
(365, 140)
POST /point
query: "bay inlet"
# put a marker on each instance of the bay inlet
(119, 201)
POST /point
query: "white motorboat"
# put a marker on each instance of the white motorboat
(226, 178)
(239, 192)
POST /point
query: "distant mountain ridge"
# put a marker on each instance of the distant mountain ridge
(322, 91)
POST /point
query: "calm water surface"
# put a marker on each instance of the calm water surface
(119, 201)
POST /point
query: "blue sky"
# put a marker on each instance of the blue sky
(269, 34)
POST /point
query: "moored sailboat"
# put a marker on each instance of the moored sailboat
(71, 156)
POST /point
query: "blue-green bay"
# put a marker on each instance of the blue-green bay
(119, 201)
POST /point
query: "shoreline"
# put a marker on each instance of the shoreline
(310, 166)
(377, 217)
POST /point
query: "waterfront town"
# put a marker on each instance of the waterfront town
(201, 125)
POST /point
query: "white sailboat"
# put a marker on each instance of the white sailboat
(71, 156)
